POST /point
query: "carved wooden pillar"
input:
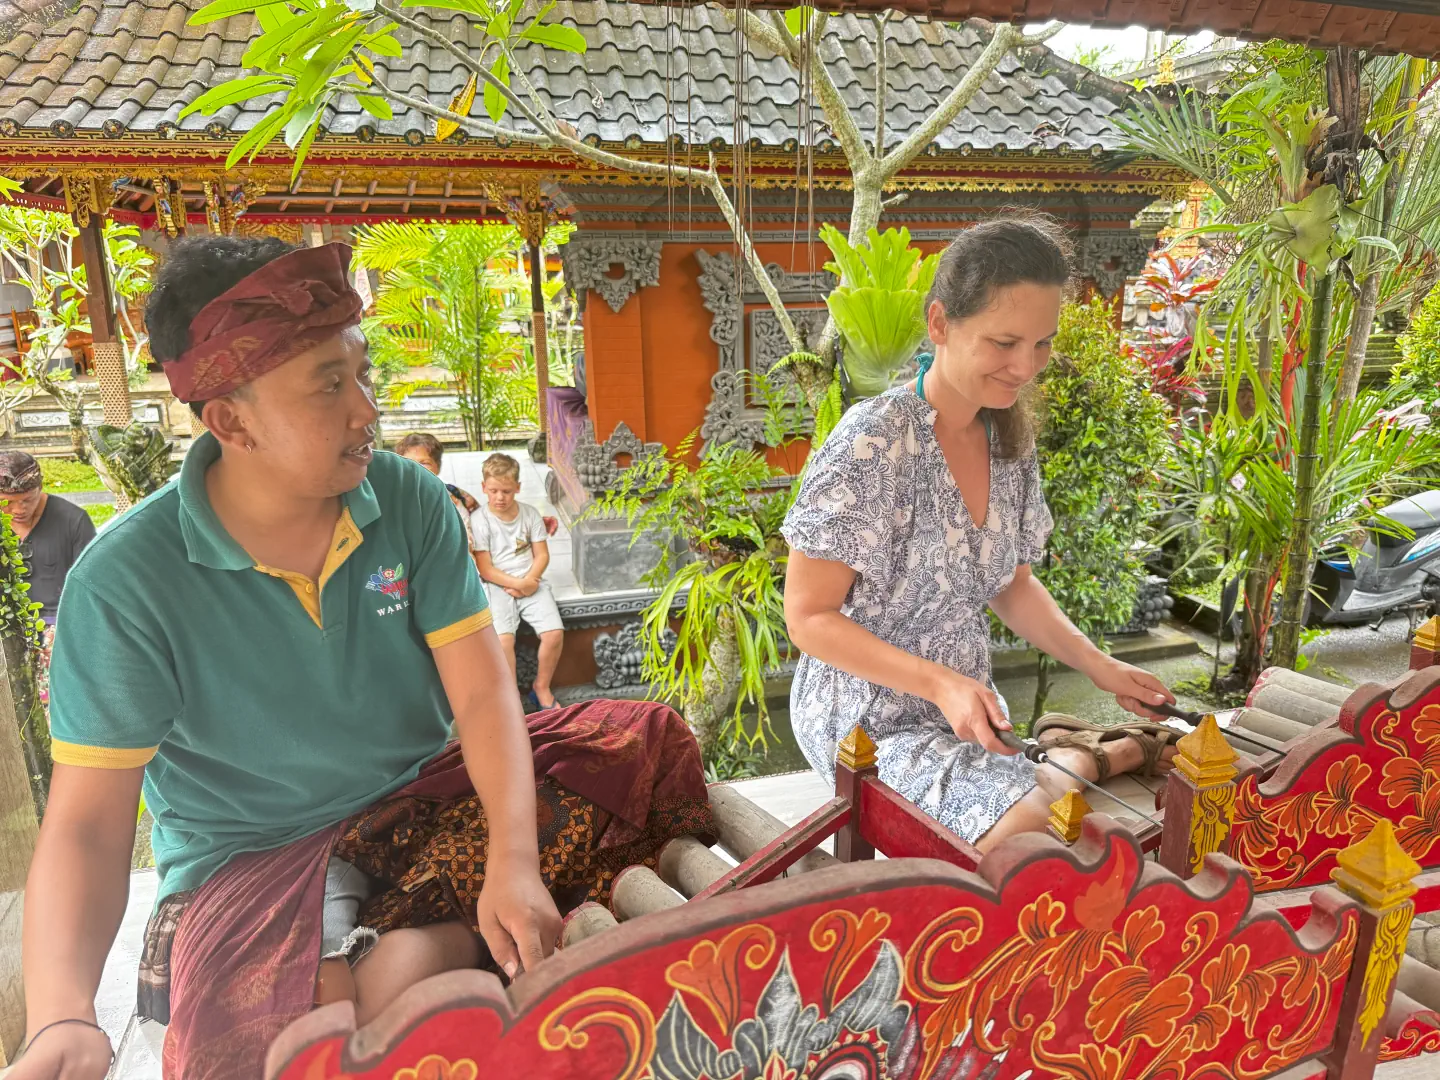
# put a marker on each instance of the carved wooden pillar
(854, 760)
(1199, 801)
(1425, 647)
(170, 214)
(1378, 873)
(1066, 814)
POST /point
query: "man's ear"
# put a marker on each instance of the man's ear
(227, 425)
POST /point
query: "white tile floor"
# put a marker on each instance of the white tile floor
(462, 468)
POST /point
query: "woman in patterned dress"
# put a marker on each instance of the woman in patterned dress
(922, 509)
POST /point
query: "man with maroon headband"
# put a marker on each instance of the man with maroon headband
(275, 644)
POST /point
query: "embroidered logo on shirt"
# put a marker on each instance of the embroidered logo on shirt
(393, 587)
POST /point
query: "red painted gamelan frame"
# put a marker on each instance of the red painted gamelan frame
(1086, 961)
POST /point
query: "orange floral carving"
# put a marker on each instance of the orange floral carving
(1235, 986)
(1142, 929)
(1404, 780)
(1417, 833)
(1125, 999)
(1208, 1027)
(1039, 920)
(712, 972)
(1097, 1063)
(1336, 806)
(1426, 725)
(1097, 907)
(435, 1067)
(849, 935)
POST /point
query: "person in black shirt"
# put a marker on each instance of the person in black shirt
(52, 532)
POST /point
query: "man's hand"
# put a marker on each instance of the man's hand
(526, 587)
(972, 710)
(516, 916)
(65, 1052)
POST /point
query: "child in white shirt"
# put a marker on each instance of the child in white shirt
(512, 554)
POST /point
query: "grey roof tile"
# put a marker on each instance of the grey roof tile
(118, 65)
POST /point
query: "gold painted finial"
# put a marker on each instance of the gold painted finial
(856, 750)
(1066, 813)
(1376, 870)
(1165, 71)
(1427, 635)
(1204, 757)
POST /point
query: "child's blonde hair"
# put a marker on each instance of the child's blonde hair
(501, 467)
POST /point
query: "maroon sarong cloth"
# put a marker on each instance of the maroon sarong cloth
(235, 960)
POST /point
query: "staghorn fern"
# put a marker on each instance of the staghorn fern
(879, 304)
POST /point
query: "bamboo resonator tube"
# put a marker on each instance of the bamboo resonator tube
(1283, 706)
(744, 829)
(585, 921)
(638, 891)
(688, 866)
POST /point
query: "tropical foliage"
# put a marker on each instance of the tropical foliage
(1310, 194)
(722, 561)
(444, 302)
(37, 250)
(1418, 372)
(879, 305)
(1103, 434)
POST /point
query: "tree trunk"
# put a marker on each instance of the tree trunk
(1301, 556)
(706, 715)
(1254, 629)
(1362, 322)
(30, 716)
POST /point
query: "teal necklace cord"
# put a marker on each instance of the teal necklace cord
(924, 360)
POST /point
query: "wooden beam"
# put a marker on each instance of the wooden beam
(541, 451)
(100, 305)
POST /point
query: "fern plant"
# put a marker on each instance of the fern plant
(879, 305)
(731, 634)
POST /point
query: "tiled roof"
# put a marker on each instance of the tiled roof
(130, 66)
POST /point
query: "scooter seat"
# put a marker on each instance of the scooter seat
(1419, 513)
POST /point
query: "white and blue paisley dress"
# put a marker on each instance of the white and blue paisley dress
(879, 497)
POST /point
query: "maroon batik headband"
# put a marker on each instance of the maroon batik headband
(287, 306)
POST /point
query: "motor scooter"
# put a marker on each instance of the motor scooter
(1387, 573)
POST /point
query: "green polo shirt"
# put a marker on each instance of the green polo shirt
(264, 706)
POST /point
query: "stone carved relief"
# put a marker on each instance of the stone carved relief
(619, 657)
(767, 339)
(729, 417)
(595, 463)
(589, 258)
(1109, 258)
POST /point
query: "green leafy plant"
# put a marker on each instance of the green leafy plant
(58, 289)
(1418, 372)
(879, 305)
(1102, 437)
(726, 580)
(22, 636)
(445, 302)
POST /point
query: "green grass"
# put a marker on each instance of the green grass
(99, 512)
(67, 474)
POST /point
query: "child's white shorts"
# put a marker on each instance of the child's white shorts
(538, 610)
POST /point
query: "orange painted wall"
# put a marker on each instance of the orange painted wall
(650, 364)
